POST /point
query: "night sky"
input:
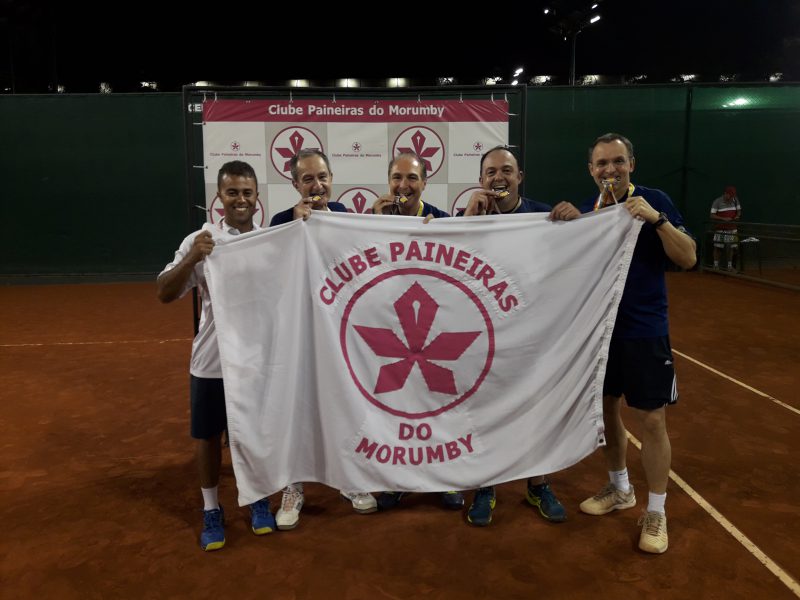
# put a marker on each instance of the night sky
(51, 44)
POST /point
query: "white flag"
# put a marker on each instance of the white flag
(372, 353)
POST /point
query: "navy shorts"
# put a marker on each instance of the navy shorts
(641, 369)
(208, 407)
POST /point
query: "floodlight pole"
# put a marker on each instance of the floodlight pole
(572, 62)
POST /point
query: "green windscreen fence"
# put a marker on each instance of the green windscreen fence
(93, 184)
(562, 123)
(748, 137)
(97, 184)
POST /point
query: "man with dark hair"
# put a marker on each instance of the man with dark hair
(238, 189)
(500, 178)
(407, 179)
(640, 359)
(313, 179)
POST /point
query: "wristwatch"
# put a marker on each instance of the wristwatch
(662, 218)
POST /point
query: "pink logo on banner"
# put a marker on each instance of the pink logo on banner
(356, 147)
(477, 146)
(235, 146)
(441, 343)
(460, 202)
(289, 142)
(216, 212)
(425, 143)
(358, 200)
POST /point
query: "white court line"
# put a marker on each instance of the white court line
(737, 382)
(765, 560)
(95, 343)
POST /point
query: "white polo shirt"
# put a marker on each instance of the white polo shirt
(205, 353)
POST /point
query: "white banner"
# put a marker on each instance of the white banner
(359, 136)
(372, 353)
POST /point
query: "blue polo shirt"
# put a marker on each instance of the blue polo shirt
(286, 216)
(643, 308)
(430, 209)
(526, 206)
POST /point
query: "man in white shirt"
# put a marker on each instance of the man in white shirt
(237, 187)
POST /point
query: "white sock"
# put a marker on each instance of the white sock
(210, 498)
(716, 264)
(620, 480)
(655, 502)
(730, 266)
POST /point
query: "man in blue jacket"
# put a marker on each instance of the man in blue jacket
(313, 179)
(407, 179)
(500, 179)
(640, 358)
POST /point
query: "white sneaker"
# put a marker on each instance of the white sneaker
(363, 503)
(288, 515)
(608, 499)
(653, 538)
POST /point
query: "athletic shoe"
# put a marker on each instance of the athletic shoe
(452, 500)
(288, 515)
(261, 520)
(654, 532)
(480, 513)
(388, 500)
(213, 535)
(543, 498)
(609, 498)
(363, 503)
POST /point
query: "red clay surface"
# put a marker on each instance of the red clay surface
(788, 275)
(99, 497)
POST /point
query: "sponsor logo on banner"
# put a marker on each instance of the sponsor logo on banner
(216, 212)
(477, 146)
(358, 200)
(417, 342)
(460, 202)
(289, 142)
(356, 147)
(425, 143)
(235, 152)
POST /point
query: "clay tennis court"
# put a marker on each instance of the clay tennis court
(99, 496)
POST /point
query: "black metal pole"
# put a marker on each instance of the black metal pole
(572, 62)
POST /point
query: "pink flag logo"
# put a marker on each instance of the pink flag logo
(425, 143)
(358, 200)
(416, 311)
(289, 142)
(424, 352)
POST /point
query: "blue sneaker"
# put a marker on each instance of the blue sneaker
(213, 535)
(261, 520)
(388, 500)
(452, 500)
(480, 513)
(543, 498)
